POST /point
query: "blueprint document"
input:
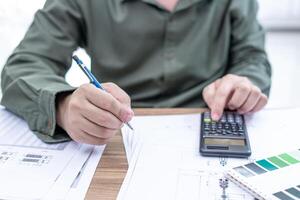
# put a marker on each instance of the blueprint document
(164, 159)
(31, 169)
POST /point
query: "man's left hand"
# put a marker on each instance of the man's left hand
(234, 93)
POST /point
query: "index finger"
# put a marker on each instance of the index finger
(118, 93)
(222, 94)
(209, 93)
(106, 101)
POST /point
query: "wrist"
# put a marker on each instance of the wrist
(61, 108)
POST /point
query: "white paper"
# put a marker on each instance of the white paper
(64, 182)
(31, 169)
(273, 131)
(165, 162)
(81, 184)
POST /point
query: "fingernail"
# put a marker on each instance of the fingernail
(126, 114)
(131, 111)
(215, 116)
(128, 117)
(241, 112)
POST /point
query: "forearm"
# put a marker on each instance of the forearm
(247, 50)
(30, 92)
(34, 74)
(257, 69)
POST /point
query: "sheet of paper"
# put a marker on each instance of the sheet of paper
(130, 141)
(31, 169)
(81, 184)
(64, 182)
(273, 131)
(165, 162)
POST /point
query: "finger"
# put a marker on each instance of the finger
(101, 117)
(95, 130)
(261, 103)
(106, 101)
(221, 97)
(83, 137)
(218, 82)
(118, 93)
(239, 96)
(251, 101)
(208, 94)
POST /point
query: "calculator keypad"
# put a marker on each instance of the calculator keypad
(230, 124)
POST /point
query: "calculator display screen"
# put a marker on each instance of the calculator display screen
(228, 142)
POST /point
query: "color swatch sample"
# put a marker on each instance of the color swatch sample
(282, 196)
(288, 158)
(280, 163)
(288, 194)
(244, 171)
(269, 164)
(253, 167)
(273, 164)
(294, 192)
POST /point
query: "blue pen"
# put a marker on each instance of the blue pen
(92, 78)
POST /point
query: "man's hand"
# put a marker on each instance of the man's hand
(235, 93)
(90, 115)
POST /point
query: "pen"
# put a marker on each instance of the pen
(92, 78)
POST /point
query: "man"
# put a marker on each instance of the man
(163, 53)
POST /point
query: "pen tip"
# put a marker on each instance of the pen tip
(129, 126)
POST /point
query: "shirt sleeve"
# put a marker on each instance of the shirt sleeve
(247, 52)
(34, 73)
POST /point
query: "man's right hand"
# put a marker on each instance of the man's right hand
(93, 116)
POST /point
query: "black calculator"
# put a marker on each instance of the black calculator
(227, 137)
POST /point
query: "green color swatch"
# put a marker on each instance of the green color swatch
(275, 160)
(288, 158)
(267, 165)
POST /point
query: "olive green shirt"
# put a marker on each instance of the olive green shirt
(160, 58)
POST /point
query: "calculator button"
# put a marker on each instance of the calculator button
(207, 115)
(226, 125)
(230, 124)
(220, 127)
(207, 120)
(230, 117)
(241, 133)
(238, 119)
(223, 118)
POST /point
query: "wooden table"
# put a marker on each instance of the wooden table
(113, 166)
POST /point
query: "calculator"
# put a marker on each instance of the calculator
(227, 137)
